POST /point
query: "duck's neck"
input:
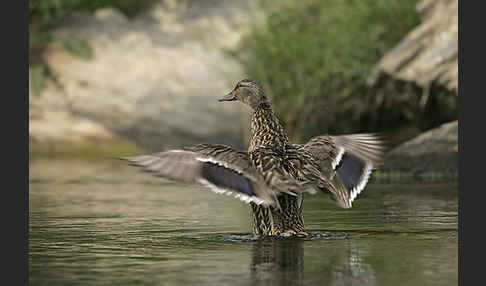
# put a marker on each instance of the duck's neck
(266, 130)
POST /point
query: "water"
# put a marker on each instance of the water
(105, 223)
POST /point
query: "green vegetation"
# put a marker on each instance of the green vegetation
(52, 10)
(79, 47)
(46, 15)
(314, 58)
(37, 78)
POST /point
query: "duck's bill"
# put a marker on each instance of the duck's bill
(229, 97)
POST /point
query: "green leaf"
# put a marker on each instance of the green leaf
(80, 48)
(37, 79)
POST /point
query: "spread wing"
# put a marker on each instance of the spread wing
(347, 161)
(218, 167)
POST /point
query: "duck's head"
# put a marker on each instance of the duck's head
(248, 91)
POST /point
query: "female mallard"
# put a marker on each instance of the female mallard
(273, 175)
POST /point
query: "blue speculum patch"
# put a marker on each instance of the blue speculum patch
(350, 169)
(226, 178)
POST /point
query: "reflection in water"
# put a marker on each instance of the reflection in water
(281, 262)
(101, 223)
(349, 268)
(278, 262)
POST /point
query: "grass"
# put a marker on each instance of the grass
(314, 59)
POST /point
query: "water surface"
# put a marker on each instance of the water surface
(101, 222)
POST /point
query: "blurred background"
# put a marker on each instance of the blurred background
(117, 78)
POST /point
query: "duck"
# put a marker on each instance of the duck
(273, 175)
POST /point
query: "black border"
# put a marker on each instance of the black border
(15, 51)
(15, 141)
(460, 146)
(471, 171)
(462, 155)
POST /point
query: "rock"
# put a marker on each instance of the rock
(154, 80)
(433, 154)
(428, 54)
(425, 61)
(55, 131)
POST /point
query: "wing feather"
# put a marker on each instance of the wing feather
(222, 169)
(347, 161)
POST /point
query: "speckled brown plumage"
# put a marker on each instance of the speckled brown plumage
(275, 173)
(278, 162)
